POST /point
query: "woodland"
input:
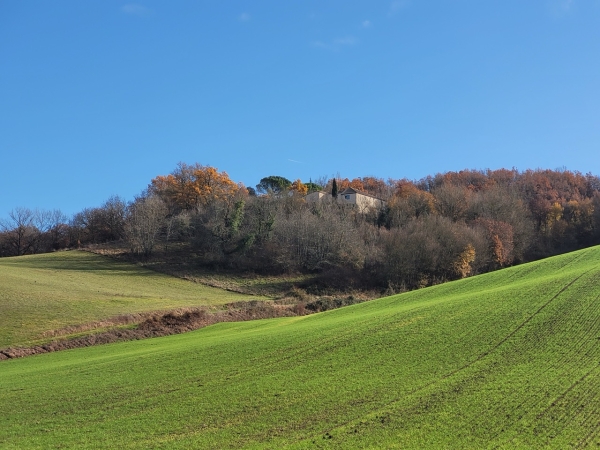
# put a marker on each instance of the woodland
(442, 227)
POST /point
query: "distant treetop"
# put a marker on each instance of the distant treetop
(273, 184)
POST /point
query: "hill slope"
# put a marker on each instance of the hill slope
(41, 293)
(508, 359)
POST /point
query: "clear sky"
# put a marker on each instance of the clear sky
(97, 97)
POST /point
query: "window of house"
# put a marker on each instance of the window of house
(347, 197)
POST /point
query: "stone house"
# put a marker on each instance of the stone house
(350, 196)
(363, 201)
(316, 196)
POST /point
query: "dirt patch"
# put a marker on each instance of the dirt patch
(155, 325)
(122, 320)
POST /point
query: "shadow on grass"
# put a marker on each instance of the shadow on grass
(76, 261)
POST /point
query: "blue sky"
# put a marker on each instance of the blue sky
(98, 97)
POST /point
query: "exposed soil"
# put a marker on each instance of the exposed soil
(165, 324)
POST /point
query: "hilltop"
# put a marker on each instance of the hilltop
(360, 235)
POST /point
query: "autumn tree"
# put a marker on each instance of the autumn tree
(408, 202)
(473, 180)
(429, 250)
(344, 183)
(502, 204)
(299, 188)
(377, 187)
(500, 241)
(190, 186)
(452, 201)
(579, 215)
(503, 177)
(462, 263)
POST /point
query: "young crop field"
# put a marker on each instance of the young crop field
(44, 293)
(509, 359)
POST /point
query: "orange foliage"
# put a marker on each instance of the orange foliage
(405, 188)
(299, 187)
(419, 201)
(354, 184)
(374, 186)
(462, 265)
(501, 241)
(369, 185)
(190, 186)
(473, 180)
(503, 176)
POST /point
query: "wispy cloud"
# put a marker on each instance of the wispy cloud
(336, 43)
(366, 24)
(135, 9)
(560, 8)
(396, 6)
(567, 4)
(348, 40)
(294, 161)
(244, 17)
(321, 44)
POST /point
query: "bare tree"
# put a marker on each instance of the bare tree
(102, 224)
(452, 201)
(318, 241)
(20, 233)
(53, 229)
(430, 250)
(145, 218)
(114, 211)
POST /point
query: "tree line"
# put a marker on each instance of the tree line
(439, 228)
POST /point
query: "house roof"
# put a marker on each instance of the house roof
(350, 190)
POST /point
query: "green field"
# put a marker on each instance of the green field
(41, 293)
(510, 359)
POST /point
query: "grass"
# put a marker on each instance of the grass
(504, 360)
(43, 293)
(181, 262)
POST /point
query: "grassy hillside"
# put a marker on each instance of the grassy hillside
(509, 359)
(40, 293)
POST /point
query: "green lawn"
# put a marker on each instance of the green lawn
(509, 359)
(47, 292)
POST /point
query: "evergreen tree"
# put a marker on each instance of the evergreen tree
(334, 189)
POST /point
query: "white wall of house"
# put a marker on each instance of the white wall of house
(363, 202)
(316, 196)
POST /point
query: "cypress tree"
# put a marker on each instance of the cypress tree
(334, 189)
